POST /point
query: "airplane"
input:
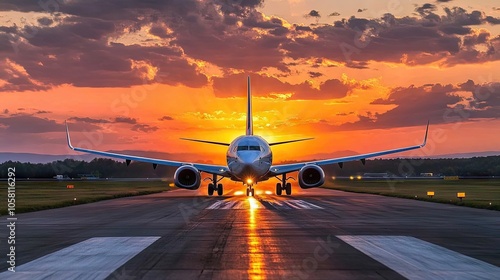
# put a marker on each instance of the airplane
(249, 161)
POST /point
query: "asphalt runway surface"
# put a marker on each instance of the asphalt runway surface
(313, 234)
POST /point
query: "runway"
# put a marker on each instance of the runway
(313, 234)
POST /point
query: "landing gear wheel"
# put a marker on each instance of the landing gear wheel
(288, 188)
(220, 189)
(210, 189)
(248, 192)
(278, 188)
(252, 192)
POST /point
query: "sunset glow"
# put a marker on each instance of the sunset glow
(138, 80)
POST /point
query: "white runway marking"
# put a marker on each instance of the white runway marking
(417, 259)
(94, 258)
(277, 204)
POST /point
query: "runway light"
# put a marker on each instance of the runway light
(333, 177)
(430, 194)
(461, 195)
(359, 177)
(171, 184)
(352, 177)
(238, 193)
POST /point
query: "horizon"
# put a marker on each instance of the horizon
(356, 79)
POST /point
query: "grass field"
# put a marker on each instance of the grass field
(33, 195)
(479, 193)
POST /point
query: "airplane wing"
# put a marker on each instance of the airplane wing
(286, 168)
(207, 168)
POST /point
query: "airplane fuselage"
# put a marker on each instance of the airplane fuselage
(249, 158)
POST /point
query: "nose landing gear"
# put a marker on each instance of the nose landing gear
(250, 191)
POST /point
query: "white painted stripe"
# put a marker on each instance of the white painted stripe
(301, 204)
(417, 259)
(229, 205)
(216, 205)
(291, 204)
(94, 258)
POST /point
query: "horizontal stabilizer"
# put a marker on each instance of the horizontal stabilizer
(205, 141)
(289, 141)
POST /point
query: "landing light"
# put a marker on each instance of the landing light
(249, 181)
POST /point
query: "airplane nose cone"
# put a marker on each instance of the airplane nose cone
(248, 158)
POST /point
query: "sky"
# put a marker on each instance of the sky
(358, 76)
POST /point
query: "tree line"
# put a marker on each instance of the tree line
(108, 168)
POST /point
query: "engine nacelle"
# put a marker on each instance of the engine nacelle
(311, 176)
(187, 177)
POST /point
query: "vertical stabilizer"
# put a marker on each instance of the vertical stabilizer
(249, 129)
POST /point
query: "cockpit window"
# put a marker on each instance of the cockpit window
(246, 148)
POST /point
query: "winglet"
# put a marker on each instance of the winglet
(425, 137)
(249, 128)
(67, 136)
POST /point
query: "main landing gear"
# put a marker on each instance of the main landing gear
(287, 187)
(214, 186)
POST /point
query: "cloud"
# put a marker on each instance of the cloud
(39, 112)
(25, 123)
(314, 74)
(233, 86)
(88, 120)
(426, 8)
(125, 120)
(166, 118)
(361, 10)
(334, 14)
(144, 128)
(434, 102)
(108, 44)
(314, 14)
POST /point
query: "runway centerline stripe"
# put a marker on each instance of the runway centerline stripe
(417, 259)
(94, 258)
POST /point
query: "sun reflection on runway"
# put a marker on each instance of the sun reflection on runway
(255, 255)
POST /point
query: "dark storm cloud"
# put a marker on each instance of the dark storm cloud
(232, 86)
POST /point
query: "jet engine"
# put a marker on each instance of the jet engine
(311, 176)
(187, 177)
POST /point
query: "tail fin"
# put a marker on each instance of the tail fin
(249, 129)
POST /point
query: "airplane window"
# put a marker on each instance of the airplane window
(254, 148)
(242, 148)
